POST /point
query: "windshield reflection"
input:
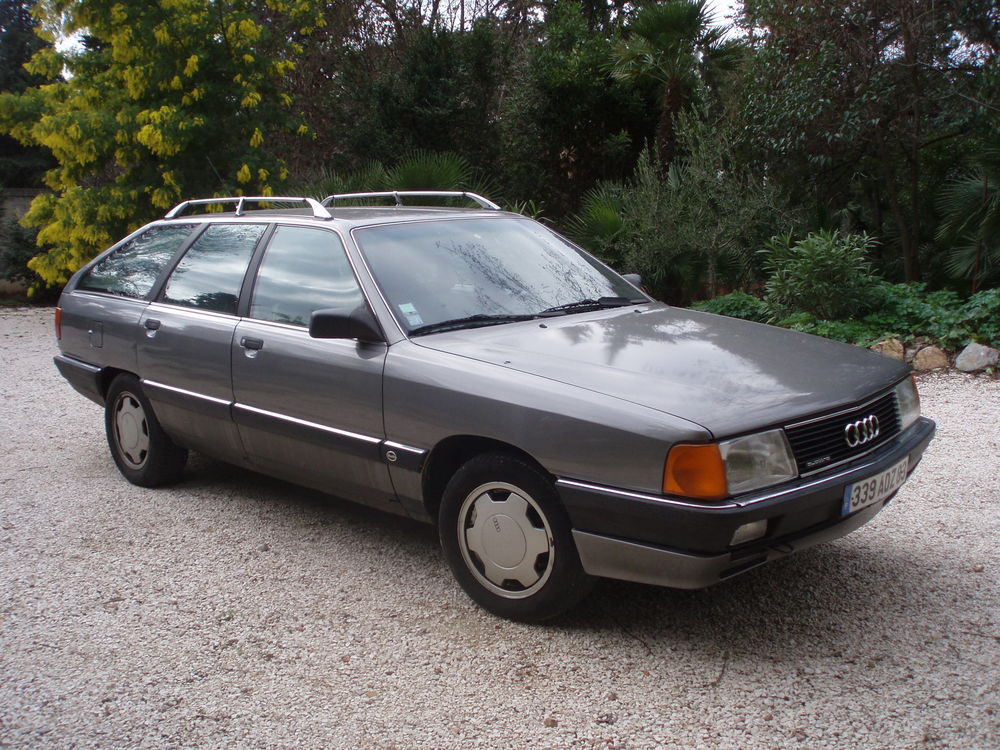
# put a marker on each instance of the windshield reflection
(449, 270)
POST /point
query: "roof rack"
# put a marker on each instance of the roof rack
(318, 211)
(397, 194)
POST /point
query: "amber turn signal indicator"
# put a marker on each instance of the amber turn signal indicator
(695, 471)
(58, 323)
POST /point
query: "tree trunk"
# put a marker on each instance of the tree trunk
(902, 224)
(666, 132)
(911, 38)
(911, 260)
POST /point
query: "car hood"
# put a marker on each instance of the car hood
(727, 375)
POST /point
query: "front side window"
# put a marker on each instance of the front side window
(132, 269)
(303, 270)
(481, 271)
(211, 272)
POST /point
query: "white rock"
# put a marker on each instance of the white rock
(890, 348)
(930, 358)
(976, 357)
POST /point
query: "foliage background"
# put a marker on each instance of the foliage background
(864, 132)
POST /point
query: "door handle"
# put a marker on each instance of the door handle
(251, 343)
(152, 324)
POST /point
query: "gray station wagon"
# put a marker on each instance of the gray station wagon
(471, 368)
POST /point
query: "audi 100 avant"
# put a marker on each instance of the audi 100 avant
(473, 369)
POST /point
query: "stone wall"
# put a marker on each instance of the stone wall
(15, 204)
(16, 201)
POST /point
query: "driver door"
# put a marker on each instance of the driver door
(309, 410)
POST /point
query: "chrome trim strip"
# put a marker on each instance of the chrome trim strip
(110, 295)
(642, 496)
(768, 494)
(796, 488)
(184, 392)
(192, 312)
(312, 425)
(276, 324)
(400, 447)
(836, 414)
(832, 477)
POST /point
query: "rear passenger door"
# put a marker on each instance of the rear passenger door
(309, 410)
(185, 340)
(100, 316)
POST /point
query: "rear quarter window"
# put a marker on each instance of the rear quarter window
(132, 269)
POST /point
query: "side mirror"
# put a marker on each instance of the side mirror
(341, 323)
(633, 278)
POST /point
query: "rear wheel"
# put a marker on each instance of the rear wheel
(141, 449)
(508, 540)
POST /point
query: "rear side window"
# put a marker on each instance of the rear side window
(132, 269)
(211, 272)
(303, 270)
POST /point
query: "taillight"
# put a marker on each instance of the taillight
(58, 323)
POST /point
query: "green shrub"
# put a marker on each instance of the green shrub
(903, 311)
(982, 315)
(17, 247)
(909, 311)
(860, 332)
(827, 275)
(736, 305)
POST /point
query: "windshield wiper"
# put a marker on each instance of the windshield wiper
(470, 321)
(590, 304)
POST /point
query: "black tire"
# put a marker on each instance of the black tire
(141, 449)
(516, 560)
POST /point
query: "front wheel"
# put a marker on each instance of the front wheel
(508, 540)
(141, 449)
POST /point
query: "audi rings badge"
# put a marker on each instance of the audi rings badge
(861, 432)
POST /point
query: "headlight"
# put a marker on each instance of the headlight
(757, 461)
(715, 470)
(909, 403)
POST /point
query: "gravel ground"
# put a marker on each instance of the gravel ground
(233, 610)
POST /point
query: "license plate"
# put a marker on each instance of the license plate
(873, 490)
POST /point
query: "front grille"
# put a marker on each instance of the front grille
(821, 442)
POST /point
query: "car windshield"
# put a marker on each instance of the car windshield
(444, 275)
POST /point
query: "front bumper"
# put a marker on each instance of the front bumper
(668, 541)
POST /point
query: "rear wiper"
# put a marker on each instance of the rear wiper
(470, 321)
(590, 304)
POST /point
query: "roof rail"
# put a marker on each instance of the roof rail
(318, 211)
(397, 194)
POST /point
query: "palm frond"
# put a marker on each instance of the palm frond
(326, 181)
(599, 221)
(973, 259)
(429, 170)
